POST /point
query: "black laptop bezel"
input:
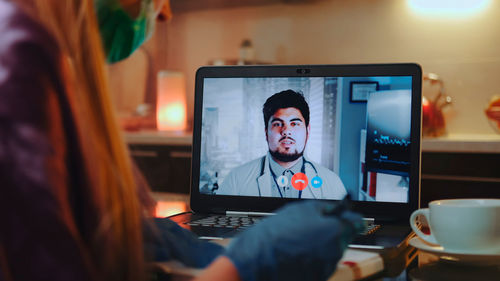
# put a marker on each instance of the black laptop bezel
(204, 203)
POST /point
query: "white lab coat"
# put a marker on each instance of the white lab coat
(255, 179)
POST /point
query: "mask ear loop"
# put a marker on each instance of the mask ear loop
(149, 12)
(165, 12)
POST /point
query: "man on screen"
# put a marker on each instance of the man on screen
(284, 171)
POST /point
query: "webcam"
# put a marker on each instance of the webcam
(303, 70)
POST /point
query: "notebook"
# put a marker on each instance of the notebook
(268, 135)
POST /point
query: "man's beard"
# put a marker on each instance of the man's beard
(283, 157)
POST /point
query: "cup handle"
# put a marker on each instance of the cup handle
(413, 223)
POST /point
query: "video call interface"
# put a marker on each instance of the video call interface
(322, 137)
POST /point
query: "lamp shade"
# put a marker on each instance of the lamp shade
(171, 101)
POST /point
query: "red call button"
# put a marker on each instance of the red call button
(299, 181)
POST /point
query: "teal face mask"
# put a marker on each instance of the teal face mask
(122, 35)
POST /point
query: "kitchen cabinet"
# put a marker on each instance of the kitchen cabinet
(459, 175)
(460, 166)
(164, 159)
(166, 168)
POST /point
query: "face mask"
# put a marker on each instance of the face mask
(121, 35)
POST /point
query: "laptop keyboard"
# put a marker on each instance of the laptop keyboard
(243, 222)
(226, 221)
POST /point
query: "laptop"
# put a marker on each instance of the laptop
(268, 135)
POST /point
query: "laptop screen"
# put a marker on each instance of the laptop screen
(272, 134)
(307, 137)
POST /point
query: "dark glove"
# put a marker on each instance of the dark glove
(165, 240)
(303, 241)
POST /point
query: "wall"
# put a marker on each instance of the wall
(463, 51)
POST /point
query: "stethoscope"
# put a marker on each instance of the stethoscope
(302, 170)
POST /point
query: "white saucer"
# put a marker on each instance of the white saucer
(468, 258)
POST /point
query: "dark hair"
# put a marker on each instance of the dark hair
(285, 99)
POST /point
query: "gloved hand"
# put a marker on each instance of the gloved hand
(165, 240)
(303, 241)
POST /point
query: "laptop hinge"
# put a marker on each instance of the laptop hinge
(236, 213)
(367, 221)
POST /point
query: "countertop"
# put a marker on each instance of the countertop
(159, 138)
(465, 143)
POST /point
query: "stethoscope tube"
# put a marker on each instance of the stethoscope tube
(302, 170)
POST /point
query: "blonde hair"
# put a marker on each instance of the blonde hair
(115, 250)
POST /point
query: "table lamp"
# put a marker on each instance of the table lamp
(171, 101)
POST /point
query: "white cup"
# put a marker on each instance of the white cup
(462, 225)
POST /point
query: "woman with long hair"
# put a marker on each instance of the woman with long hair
(72, 206)
(65, 165)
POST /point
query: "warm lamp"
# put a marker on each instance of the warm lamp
(171, 101)
(169, 208)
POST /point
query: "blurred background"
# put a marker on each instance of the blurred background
(458, 42)
(455, 42)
